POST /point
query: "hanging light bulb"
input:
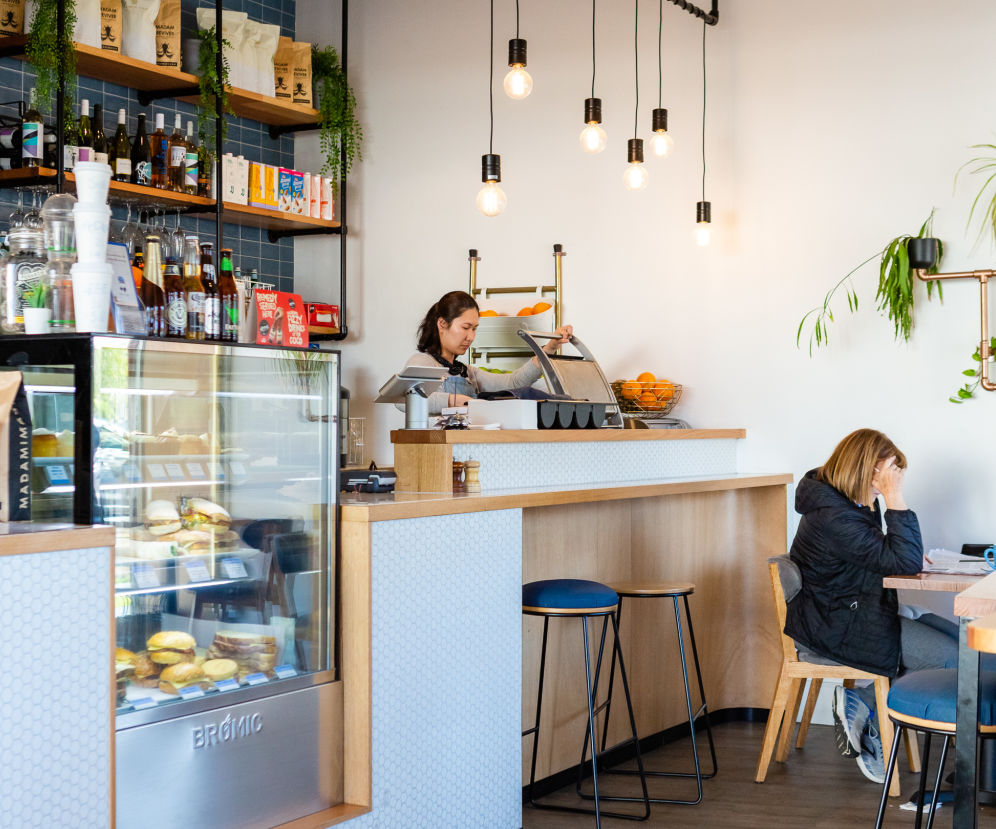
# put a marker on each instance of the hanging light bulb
(593, 138)
(703, 220)
(518, 82)
(635, 176)
(491, 199)
(661, 142)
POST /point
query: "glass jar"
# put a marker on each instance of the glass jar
(60, 295)
(24, 267)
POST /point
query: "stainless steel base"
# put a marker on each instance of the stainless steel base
(252, 765)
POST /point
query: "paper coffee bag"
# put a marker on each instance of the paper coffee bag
(283, 69)
(11, 17)
(168, 34)
(302, 73)
(110, 25)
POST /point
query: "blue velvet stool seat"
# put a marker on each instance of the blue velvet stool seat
(582, 599)
(926, 701)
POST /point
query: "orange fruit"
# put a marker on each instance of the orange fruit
(488, 313)
(664, 389)
(648, 400)
(540, 307)
(648, 380)
(525, 312)
(630, 389)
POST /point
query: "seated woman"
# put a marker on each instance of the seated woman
(447, 331)
(842, 611)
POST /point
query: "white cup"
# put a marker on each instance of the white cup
(36, 320)
(92, 223)
(91, 295)
(92, 181)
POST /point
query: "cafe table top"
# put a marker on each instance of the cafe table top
(976, 594)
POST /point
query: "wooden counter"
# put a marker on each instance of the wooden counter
(22, 538)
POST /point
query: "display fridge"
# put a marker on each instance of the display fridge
(217, 466)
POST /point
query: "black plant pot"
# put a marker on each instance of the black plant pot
(922, 252)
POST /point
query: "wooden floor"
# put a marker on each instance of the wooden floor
(815, 788)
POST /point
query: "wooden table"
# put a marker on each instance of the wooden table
(976, 597)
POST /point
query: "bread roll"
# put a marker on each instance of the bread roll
(175, 639)
(218, 669)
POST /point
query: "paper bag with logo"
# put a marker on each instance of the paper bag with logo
(302, 73)
(110, 25)
(168, 34)
(283, 69)
(15, 449)
(11, 17)
(138, 35)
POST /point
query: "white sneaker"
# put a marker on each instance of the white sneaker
(871, 761)
(850, 714)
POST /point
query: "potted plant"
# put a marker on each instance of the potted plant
(340, 134)
(37, 313)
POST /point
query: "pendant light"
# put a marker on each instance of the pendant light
(518, 82)
(593, 138)
(703, 209)
(491, 199)
(635, 175)
(661, 142)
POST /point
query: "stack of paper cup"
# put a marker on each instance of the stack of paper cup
(91, 274)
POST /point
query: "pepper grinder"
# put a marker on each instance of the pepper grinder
(471, 469)
(458, 476)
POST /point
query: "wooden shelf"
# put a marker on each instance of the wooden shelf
(275, 220)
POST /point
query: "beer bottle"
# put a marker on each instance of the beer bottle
(159, 151)
(229, 294)
(193, 289)
(152, 294)
(176, 303)
(212, 297)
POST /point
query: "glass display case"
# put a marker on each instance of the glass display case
(217, 466)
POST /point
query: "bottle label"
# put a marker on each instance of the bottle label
(177, 156)
(32, 139)
(122, 166)
(212, 318)
(176, 315)
(190, 173)
(70, 155)
(7, 138)
(143, 172)
(84, 154)
(230, 315)
(101, 158)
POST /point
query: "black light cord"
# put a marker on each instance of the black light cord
(491, 83)
(636, 62)
(660, 30)
(703, 107)
(592, 48)
(516, 19)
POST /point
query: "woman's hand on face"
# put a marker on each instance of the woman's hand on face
(564, 334)
(888, 479)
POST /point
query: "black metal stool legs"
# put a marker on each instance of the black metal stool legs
(539, 707)
(921, 789)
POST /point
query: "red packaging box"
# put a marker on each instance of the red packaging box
(281, 319)
(322, 317)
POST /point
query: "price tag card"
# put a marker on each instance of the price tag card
(256, 679)
(175, 471)
(125, 304)
(218, 471)
(195, 470)
(191, 692)
(234, 568)
(144, 702)
(238, 468)
(156, 471)
(196, 570)
(226, 685)
(285, 671)
(131, 472)
(57, 475)
(144, 576)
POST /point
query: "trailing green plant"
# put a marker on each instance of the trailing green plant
(340, 134)
(213, 102)
(894, 293)
(52, 58)
(37, 297)
(967, 391)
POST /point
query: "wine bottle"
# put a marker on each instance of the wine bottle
(176, 160)
(85, 146)
(212, 296)
(70, 144)
(203, 171)
(193, 289)
(137, 267)
(121, 150)
(176, 303)
(229, 293)
(10, 147)
(100, 153)
(190, 167)
(32, 133)
(141, 158)
(152, 294)
(158, 144)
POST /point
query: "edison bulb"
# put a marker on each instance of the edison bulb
(661, 143)
(635, 176)
(491, 199)
(518, 83)
(593, 138)
(703, 233)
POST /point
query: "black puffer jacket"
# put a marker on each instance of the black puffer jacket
(842, 611)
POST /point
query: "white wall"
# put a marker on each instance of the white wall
(831, 128)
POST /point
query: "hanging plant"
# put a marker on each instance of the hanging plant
(214, 90)
(894, 294)
(51, 56)
(339, 131)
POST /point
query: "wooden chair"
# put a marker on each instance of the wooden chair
(788, 695)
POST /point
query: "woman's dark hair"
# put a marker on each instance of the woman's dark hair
(449, 307)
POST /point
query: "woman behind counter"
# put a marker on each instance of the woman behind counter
(446, 332)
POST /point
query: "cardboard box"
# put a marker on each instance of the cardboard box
(270, 186)
(328, 202)
(285, 186)
(322, 317)
(256, 182)
(315, 200)
(228, 175)
(281, 319)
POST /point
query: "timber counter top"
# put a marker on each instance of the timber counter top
(454, 436)
(21, 538)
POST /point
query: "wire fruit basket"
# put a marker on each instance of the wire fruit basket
(665, 397)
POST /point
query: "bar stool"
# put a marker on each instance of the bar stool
(586, 600)
(673, 591)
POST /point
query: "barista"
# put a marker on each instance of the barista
(447, 331)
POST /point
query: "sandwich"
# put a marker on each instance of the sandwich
(161, 517)
(252, 652)
(201, 514)
(183, 675)
(218, 669)
(123, 671)
(124, 655)
(145, 671)
(170, 647)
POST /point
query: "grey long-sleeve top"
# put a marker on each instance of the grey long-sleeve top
(524, 376)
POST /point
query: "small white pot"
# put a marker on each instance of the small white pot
(36, 320)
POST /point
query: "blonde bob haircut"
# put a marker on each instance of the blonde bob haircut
(852, 464)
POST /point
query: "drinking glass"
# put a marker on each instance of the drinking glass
(16, 218)
(178, 238)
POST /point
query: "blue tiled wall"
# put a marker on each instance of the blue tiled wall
(275, 262)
